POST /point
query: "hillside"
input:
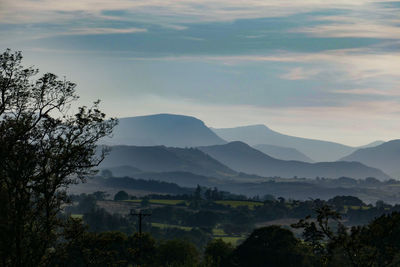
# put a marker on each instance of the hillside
(165, 159)
(163, 129)
(317, 150)
(385, 157)
(241, 157)
(284, 153)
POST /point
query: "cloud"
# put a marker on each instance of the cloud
(93, 31)
(370, 91)
(300, 73)
(350, 64)
(27, 11)
(353, 30)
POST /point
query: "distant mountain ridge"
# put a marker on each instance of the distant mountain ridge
(385, 156)
(317, 150)
(372, 144)
(173, 130)
(165, 159)
(243, 158)
(163, 129)
(284, 153)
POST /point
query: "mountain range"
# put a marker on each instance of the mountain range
(285, 153)
(385, 157)
(243, 158)
(228, 161)
(167, 143)
(317, 150)
(163, 129)
(165, 159)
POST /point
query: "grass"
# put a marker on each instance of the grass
(164, 225)
(218, 232)
(133, 200)
(238, 203)
(175, 202)
(346, 208)
(172, 202)
(234, 240)
(167, 201)
(77, 216)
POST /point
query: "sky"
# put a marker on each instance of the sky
(320, 69)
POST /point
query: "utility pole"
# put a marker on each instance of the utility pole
(140, 215)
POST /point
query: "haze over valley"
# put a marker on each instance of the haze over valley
(183, 150)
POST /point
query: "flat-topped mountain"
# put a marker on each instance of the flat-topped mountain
(284, 153)
(385, 157)
(163, 129)
(243, 158)
(317, 150)
(165, 159)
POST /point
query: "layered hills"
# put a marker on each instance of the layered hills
(385, 157)
(243, 158)
(317, 150)
(165, 159)
(285, 153)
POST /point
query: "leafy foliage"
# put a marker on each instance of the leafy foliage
(44, 148)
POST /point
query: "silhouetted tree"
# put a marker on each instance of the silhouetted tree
(218, 253)
(177, 253)
(121, 195)
(272, 246)
(44, 148)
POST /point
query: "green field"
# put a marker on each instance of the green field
(218, 232)
(346, 208)
(172, 202)
(134, 200)
(234, 240)
(164, 225)
(238, 203)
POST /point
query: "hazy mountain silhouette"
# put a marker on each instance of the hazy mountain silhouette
(165, 159)
(241, 157)
(373, 144)
(123, 170)
(317, 150)
(163, 129)
(385, 157)
(284, 153)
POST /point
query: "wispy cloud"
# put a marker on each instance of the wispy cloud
(353, 30)
(300, 73)
(23, 11)
(93, 31)
(370, 91)
(351, 64)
